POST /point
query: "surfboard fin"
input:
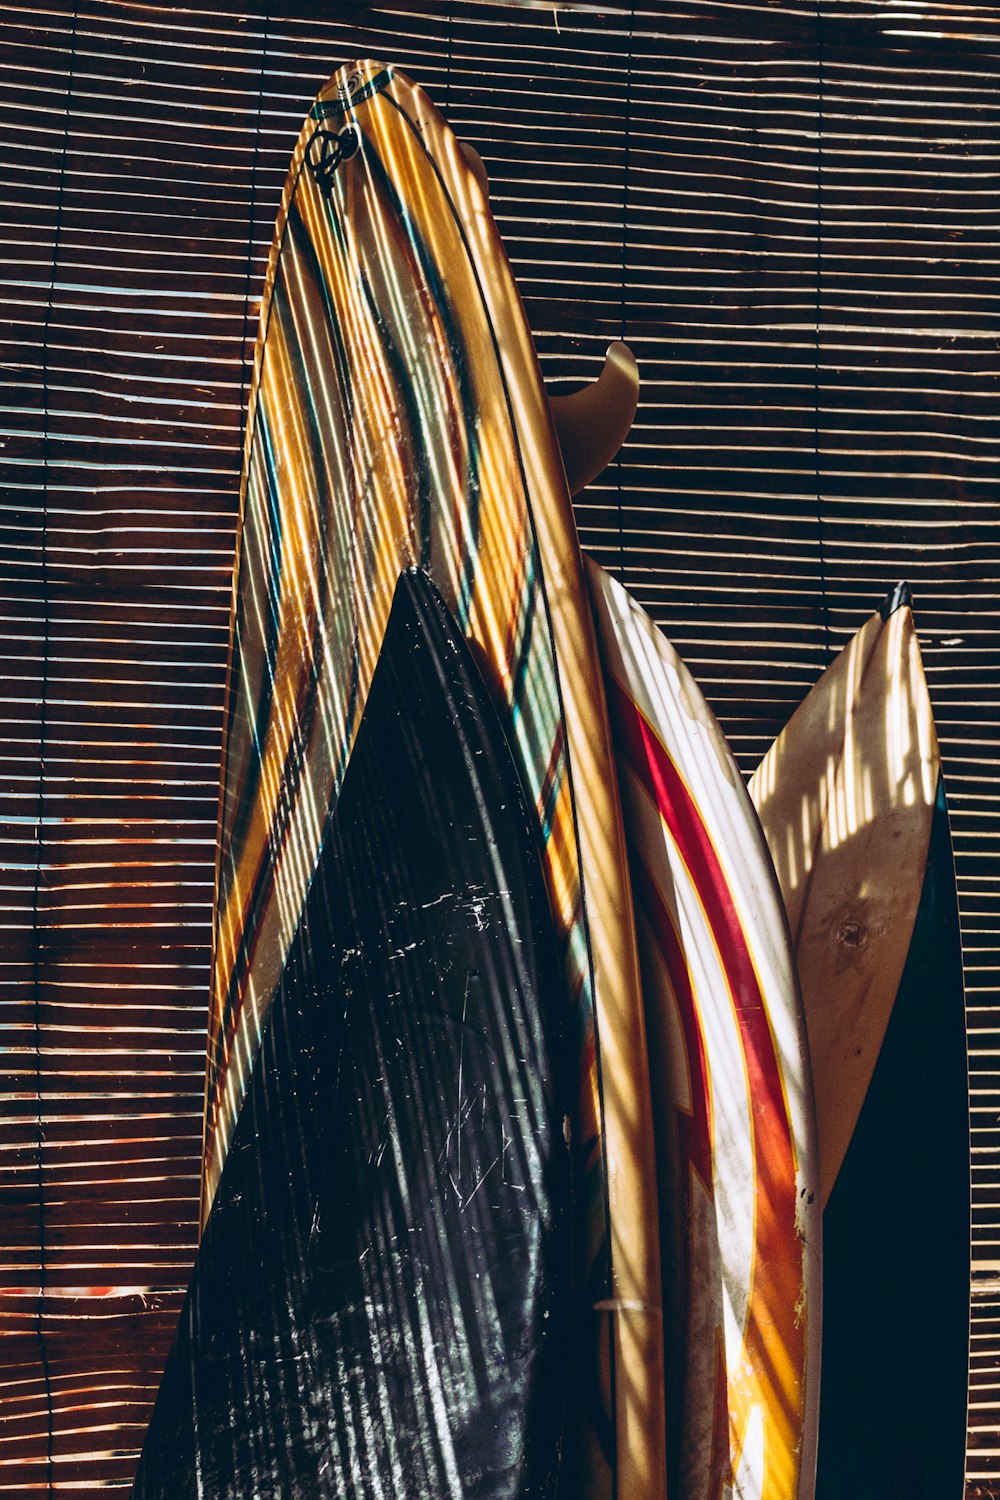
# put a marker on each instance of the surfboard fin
(593, 423)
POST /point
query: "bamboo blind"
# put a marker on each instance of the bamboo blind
(789, 209)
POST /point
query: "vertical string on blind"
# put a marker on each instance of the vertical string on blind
(41, 840)
(818, 376)
(623, 311)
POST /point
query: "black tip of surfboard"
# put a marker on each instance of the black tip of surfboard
(395, 1248)
(895, 599)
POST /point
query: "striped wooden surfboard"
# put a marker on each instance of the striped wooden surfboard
(851, 800)
(731, 1088)
(397, 419)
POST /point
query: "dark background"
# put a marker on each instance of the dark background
(789, 210)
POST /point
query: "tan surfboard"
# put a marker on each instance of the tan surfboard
(852, 802)
(846, 798)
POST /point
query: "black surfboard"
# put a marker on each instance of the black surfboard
(896, 1236)
(381, 1303)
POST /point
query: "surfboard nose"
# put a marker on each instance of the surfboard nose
(900, 597)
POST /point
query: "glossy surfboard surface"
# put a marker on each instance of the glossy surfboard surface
(382, 1302)
(852, 802)
(397, 418)
(735, 1129)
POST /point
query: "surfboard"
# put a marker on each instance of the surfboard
(397, 419)
(852, 803)
(735, 1132)
(382, 1302)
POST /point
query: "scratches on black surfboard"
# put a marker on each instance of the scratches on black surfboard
(381, 1302)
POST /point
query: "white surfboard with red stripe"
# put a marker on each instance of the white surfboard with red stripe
(732, 1092)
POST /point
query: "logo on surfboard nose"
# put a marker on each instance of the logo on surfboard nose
(350, 85)
(325, 153)
(351, 91)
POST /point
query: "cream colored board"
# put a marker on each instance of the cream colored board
(846, 796)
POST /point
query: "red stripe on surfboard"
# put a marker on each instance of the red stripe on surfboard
(694, 1140)
(694, 1124)
(778, 1266)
